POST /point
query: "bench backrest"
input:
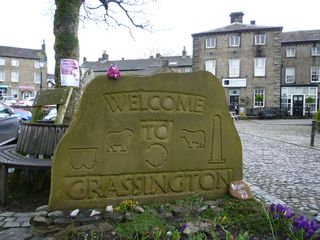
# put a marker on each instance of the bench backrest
(40, 138)
(58, 96)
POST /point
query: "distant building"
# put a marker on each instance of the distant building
(251, 62)
(300, 71)
(20, 71)
(146, 66)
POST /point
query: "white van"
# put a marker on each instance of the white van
(9, 100)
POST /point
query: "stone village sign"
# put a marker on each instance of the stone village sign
(156, 138)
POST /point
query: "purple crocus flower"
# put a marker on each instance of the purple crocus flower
(272, 208)
(288, 213)
(314, 225)
(299, 222)
(183, 227)
(309, 234)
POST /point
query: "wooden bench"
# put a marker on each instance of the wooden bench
(36, 140)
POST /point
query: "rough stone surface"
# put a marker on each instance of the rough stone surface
(156, 138)
(16, 234)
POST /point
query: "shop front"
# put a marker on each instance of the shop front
(299, 100)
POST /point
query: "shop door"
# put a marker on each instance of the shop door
(234, 103)
(297, 106)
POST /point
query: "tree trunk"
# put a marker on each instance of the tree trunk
(66, 24)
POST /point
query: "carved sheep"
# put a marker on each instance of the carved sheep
(118, 141)
(194, 139)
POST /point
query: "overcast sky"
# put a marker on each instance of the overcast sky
(26, 23)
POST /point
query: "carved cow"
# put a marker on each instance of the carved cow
(118, 141)
(194, 139)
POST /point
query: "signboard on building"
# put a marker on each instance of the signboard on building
(234, 82)
(69, 72)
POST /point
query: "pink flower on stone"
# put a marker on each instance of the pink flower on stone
(113, 72)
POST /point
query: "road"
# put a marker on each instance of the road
(279, 162)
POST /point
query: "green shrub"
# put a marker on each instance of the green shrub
(317, 117)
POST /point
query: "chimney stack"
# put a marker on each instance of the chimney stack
(184, 52)
(236, 17)
(253, 22)
(105, 56)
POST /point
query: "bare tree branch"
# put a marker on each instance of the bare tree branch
(129, 8)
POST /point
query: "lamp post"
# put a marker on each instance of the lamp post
(41, 65)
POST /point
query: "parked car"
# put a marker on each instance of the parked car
(9, 125)
(9, 100)
(51, 116)
(28, 102)
(23, 115)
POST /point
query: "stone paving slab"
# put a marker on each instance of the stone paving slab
(278, 160)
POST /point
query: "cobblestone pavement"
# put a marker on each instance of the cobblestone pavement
(279, 161)
(279, 165)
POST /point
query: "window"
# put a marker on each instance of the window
(234, 67)
(260, 39)
(259, 97)
(259, 67)
(211, 66)
(211, 42)
(290, 75)
(2, 61)
(2, 75)
(290, 52)
(234, 41)
(14, 93)
(37, 77)
(26, 94)
(36, 64)
(315, 73)
(315, 51)
(15, 62)
(14, 76)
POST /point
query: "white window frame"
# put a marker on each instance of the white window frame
(210, 66)
(2, 61)
(15, 76)
(15, 62)
(260, 39)
(260, 67)
(234, 67)
(315, 74)
(211, 42)
(290, 74)
(290, 52)
(259, 91)
(234, 41)
(37, 76)
(315, 51)
(2, 75)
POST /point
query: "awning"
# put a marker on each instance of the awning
(22, 87)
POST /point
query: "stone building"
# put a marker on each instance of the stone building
(21, 71)
(261, 67)
(300, 72)
(247, 60)
(147, 66)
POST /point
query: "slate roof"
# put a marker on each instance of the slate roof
(238, 27)
(14, 52)
(139, 64)
(300, 36)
